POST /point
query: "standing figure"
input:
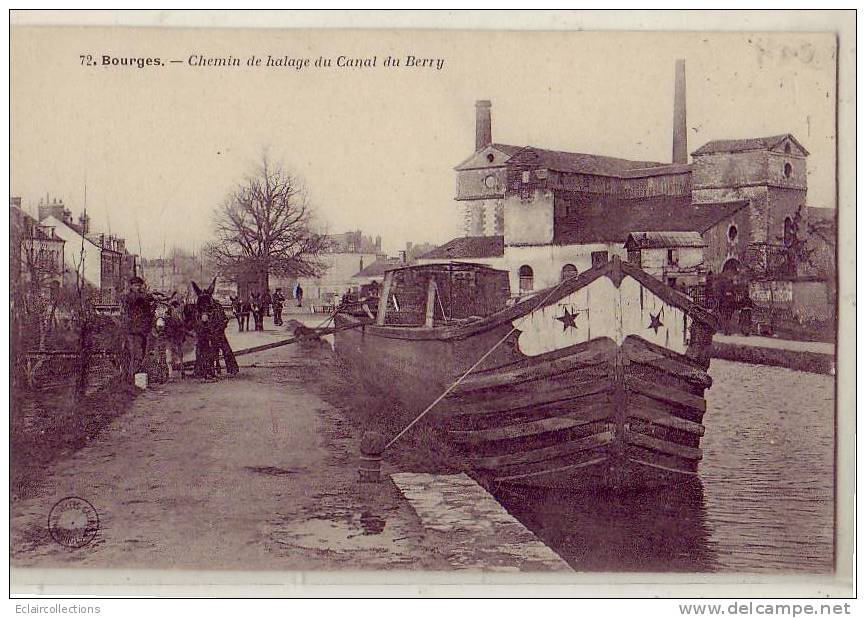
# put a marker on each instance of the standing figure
(727, 306)
(266, 302)
(279, 299)
(257, 310)
(218, 322)
(246, 310)
(138, 319)
(299, 294)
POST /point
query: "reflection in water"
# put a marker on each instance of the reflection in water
(658, 530)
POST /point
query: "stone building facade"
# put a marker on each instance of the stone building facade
(557, 210)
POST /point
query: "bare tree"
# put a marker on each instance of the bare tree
(266, 223)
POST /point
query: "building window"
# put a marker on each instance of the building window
(599, 258)
(788, 169)
(568, 271)
(490, 157)
(634, 257)
(732, 233)
(789, 232)
(525, 274)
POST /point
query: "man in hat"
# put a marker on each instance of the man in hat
(138, 319)
(279, 300)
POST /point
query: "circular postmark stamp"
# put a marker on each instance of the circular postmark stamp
(73, 522)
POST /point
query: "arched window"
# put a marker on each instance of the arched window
(525, 274)
(568, 271)
(788, 169)
(787, 148)
(790, 232)
(732, 233)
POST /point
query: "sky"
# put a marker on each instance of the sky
(159, 147)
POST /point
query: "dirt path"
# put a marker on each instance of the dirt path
(252, 472)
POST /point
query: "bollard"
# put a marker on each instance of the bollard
(370, 467)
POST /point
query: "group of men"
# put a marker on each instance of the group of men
(259, 306)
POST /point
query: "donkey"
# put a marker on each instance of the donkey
(172, 324)
(210, 324)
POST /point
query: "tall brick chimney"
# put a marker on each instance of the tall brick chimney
(680, 137)
(483, 131)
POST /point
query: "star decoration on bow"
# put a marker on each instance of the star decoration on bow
(567, 320)
(656, 321)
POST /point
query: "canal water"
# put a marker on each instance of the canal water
(764, 500)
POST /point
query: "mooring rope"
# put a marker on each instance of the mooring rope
(474, 366)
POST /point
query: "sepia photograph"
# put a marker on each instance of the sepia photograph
(416, 305)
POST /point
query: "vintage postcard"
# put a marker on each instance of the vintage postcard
(299, 306)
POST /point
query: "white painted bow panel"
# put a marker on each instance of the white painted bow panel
(600, 309)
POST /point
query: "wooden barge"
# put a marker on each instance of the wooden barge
(597, 381)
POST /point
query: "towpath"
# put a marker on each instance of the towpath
(253, 472)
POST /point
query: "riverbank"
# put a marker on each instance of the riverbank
(813, 357)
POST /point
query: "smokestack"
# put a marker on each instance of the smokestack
(483, 133)
(680, 137)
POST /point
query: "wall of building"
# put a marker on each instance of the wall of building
(811, 302)
(677, 183)
(484, 217)
(720, 248)
(111, 277)
(474, 184)
(781, 293)
(72, 253)
(656, 263)
(729, 169)
(808, 301)
(529, 221)
(547, 261)
(481, 193)
(336, 279)
(757, 196)
(784, 203)
(776, 170)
